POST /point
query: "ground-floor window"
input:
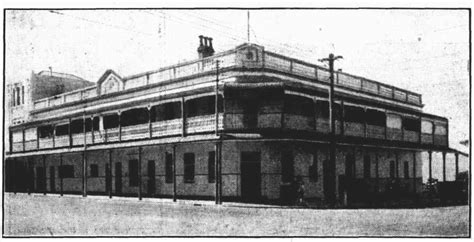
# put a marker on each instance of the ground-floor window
(168, 168)
(211, 167)
(405, 170)
(94, 170)
(287, 166)
(313, 169)
(392, 169)
(366, 166)
(66, 171)
(133, 172)
(188, 167)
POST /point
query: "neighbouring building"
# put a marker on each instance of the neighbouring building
(236, 125)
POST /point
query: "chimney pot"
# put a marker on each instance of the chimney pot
(210, 42)
(205, 41)
(200, 40)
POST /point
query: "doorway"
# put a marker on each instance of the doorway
(40, 179)
(108, 178)
(151, 178)
(52, 179)
(118, 178)
(250, 176)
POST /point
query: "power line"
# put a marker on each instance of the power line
(98, 22)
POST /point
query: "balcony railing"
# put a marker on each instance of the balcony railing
(232, 59)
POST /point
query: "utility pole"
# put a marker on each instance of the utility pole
(330, 188)
(217, 178)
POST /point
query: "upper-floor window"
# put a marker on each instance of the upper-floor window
(77, 126)
(45, 131)
(202, 106)
(394, 121)
(299, 105)
(440, 130)
(62, 129)
(375, 117)
(354, 114)
(18, 98)
(426, 127)
(166, 111)
(111, 121)
(92, 124)
(322, 110)
(134, 117)
(411, 124)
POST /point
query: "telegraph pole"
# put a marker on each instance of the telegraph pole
(217, 178)
(330, 188)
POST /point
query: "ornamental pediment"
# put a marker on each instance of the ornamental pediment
(110, 82)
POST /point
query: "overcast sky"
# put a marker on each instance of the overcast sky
(425, 51)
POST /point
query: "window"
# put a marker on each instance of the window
(287, 166)
(440, 130)
(168, 168)
(62, 129)
(411, 124)
(22, 95)
(313, 169)
(66, 171)
(211, 167)
(202, 106)
(392, 169)
(188, 167)
(94, 170)
(92, 124)
(45, 131)
(405, 170)
(426, 127)
(299, 105)
(350, 166)
(18, 96)
(111, 121)
(133, 172)
(366, 166)
(354, 114)
(134, 117)
(322, 110)
(14, 97)
(166, 111)
(77, 126)
(394, 121)
(375, 117)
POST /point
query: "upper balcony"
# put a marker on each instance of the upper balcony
(246, 56)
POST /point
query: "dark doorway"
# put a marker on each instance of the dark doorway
(250, 176)
(108, 178)
(151, 178)
(40, 179)
(52, 179)
(118, 178)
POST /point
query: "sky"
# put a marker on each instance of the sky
(425, 51)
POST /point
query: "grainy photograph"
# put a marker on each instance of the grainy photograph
(236, 122)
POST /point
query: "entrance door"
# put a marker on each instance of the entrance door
(52, 179)
(40, 182)
(108, 178)
(118, 178)
(151, 178)
(250, 176)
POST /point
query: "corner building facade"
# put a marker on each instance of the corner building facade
(157, 134)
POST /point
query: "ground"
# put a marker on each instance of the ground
(51, 215)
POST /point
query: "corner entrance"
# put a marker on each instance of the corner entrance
(250, 177)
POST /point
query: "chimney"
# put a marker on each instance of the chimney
(206, 49)
(201, 47)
